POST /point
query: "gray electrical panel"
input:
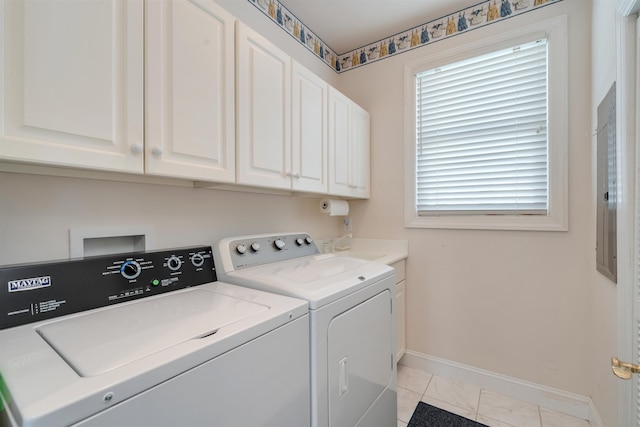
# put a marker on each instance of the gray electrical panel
(606, 241)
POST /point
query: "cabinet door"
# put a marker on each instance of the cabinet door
(72, 83)
(190, 90)
(360, 158)
(264, 111)
(339, 136)
(401, 346)
(309, 131)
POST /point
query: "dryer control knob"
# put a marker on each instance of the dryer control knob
(279, 244)
(299, 241)
(255, 246)
(308, 240)
(241, 248)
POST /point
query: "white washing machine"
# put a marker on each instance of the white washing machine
(148, 339)
(352, 329)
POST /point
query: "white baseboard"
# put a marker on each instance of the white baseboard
(548, 397)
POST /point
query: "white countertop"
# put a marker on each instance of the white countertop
(379, 250)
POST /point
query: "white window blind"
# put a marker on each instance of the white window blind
(481, 130)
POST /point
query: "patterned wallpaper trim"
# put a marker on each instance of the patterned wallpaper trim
(484, 13)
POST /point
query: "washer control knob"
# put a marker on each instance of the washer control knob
(308, 240)
(241, 248)
(299, 241)
(255, 246)
(279, 244)
(174, 263)
(197, 260)
(130, 270)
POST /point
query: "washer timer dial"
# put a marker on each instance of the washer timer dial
(130, 269)
(197, 260)
(174, 263)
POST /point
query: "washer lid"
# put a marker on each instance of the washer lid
(103, 340)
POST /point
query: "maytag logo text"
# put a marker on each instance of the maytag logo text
(29, 284)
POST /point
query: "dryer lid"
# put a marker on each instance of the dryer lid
(319, 279)
(313, 269)
(103, 340)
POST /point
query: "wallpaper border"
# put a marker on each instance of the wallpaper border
(484, 13)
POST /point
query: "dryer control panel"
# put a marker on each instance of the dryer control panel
(249, 251)
(35, 292)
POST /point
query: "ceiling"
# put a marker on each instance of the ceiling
(345, 25)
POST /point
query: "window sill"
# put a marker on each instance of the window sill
(489, 222)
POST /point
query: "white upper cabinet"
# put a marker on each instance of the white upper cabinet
(349, 141)
(309, 131)
(72, 83)
(190, 108)
(282, 119)
(264, 111)
(339, 136)
(360, 152)
(175, 88)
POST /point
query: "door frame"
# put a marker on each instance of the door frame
(628, 213)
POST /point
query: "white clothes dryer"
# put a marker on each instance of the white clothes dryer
(148, 339)
(352, 328)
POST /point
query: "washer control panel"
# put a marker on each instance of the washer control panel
(249, 251)
(35, 292)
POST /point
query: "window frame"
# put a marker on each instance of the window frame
(555, 31)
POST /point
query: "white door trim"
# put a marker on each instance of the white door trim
(627, 211)
(628, 7)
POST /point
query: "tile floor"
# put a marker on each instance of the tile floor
(472, 402)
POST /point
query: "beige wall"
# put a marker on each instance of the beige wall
(523, 304)
(36, 213)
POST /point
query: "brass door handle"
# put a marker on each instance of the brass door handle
(624, 370)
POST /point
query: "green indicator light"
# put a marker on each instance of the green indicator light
(155, 282)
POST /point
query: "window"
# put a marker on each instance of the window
(487, 134)
(481, 134)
